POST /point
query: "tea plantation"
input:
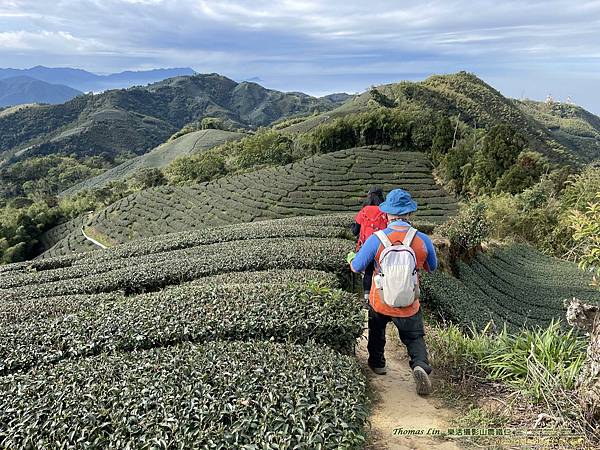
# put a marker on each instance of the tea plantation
(230, 337)
(335, 182)
(236, 336)
(513, 285)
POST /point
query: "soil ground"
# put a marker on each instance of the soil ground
(397, 405)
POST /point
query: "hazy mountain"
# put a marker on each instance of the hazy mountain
(21, 89)
(87, 81)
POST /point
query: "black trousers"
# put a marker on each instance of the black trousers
(411, 331)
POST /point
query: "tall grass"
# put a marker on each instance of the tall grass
(541, 363)
(530, 360)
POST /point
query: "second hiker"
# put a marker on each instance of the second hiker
(369, 220)
(398, 252)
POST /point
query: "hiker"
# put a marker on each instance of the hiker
(398, 251)
(369, 220)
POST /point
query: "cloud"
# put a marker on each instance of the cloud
(309, 44)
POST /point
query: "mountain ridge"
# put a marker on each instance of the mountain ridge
(139, 118)
(20, 90)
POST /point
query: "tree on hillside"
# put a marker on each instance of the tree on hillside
(499, 151)
(381, 98)
(527, 171)
(212, 123)
(442, 141)
(146, 178)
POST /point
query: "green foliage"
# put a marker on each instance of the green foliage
(47, 175)
(457, 165)
(146, 178)
(514, 286)
(212, 123)
(188, 313)
(493, 161)
(581, 189)
(154, 271)
(467, 230)
(541, 362)
(544, 214)
(499, 151)
(537, 361)
(195, 169)
(21, 227)
(526, 171)
(586, 232)
(265, 147)
(442, 140)
(216, 395)
(381, 99)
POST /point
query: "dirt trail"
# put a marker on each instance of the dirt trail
(397, 405)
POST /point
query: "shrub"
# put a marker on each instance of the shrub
(586, 233)
(152, 272)
(195, 169)
(467, 230)
(146, 178)
(218, 395)
(513, 286)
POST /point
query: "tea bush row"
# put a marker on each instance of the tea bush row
(192, 313)
(218, 395)
(152, 272)
(31, 310)
(515, 285)
(322, 184)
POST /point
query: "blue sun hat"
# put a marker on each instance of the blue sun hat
(398, 203)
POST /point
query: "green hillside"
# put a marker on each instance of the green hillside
(126, 121)
(570, 125)
(161, 156)
(335, 182)
(477, 104)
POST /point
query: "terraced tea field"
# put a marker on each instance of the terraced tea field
(336, 182)
(217, 338)
(237, 336)
(515, 285)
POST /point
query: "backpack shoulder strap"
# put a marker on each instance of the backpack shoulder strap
(383, 238)
(410, 235)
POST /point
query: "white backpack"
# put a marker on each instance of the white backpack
(397, 277)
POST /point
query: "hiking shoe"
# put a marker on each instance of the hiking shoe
(422, 380)
(379, 370)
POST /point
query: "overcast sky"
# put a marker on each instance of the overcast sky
(523, 48)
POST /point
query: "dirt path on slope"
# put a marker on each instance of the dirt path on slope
(397, 405)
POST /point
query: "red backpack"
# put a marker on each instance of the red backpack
(370, 219)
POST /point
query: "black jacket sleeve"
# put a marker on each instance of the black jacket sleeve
(355, 229)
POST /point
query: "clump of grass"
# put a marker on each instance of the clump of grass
(542, 364)
(536, 361)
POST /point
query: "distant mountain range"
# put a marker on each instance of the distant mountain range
(83, 80)
(21, 89)
(117, 123)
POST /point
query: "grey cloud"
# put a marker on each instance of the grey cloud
(320, 43)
